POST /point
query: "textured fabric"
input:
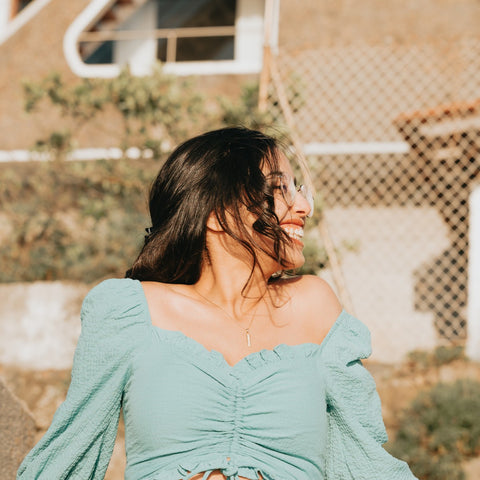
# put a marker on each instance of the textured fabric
(303, 412)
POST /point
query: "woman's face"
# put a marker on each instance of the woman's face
(291, 208)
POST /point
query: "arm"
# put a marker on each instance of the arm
(356, 429)
(80, 440)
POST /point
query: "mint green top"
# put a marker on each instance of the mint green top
(301, 412)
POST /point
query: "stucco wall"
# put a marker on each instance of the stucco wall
(32, 53)
(40, 324)
(36, 50)
(338, 22)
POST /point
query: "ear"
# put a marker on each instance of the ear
(213, 223)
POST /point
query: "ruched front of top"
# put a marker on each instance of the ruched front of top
(304, 412)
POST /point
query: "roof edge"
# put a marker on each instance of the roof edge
(83, 21)
(29, 12)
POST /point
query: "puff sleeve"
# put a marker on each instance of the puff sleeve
(80, 440)
(355, 424)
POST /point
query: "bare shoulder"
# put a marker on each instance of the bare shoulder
(151, 288)
(316, 302)
(316, 292)
(159, 297)
(165, 301)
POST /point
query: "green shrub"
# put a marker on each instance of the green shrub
(73, 220)
(447, 354)
(84, 220)
(244, 111)
(442, 355)
(157, 111)
(439, 430)
(81, 220)
(154, 108)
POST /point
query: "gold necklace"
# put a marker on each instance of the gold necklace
(247, 330)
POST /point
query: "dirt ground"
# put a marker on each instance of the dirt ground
(43, 391)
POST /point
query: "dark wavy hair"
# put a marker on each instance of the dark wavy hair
(217, 172)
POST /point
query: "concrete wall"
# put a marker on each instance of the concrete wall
(379, 272)
(40, 324)
(473, 340)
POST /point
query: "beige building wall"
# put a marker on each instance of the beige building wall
(32, 53)
(37, 50)
(314, 23)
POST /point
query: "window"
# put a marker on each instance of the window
(201, 21)
(188, 36)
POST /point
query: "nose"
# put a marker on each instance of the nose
(302, 204)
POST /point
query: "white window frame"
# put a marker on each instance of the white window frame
(140, 52)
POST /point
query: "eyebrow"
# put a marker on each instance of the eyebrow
(276, 173)
(279, 173)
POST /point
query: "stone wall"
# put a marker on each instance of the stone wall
(17, 432)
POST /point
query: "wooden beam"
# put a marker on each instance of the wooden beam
(156, 33)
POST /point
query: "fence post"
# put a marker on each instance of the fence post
(473, 329)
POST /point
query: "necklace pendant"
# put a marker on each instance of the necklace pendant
(249, 341)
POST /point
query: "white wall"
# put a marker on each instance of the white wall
(139, 54)
(4, 14)
(473, 312)
(388, 258)
(40, 324)
(249, 28)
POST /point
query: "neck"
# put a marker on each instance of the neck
(229, 285)
(227, 279)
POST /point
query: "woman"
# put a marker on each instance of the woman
(224, 367)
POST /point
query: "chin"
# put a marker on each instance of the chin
(296, 265)
(295, 258)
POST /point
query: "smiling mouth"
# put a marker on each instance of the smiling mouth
(294, 232)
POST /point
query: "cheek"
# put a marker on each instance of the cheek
(281, 208)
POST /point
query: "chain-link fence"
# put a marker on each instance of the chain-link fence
(393, 136)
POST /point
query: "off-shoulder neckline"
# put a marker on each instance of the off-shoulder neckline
(264, 355)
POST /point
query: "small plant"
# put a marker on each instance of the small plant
(440, 430)
(442, 355)
(447, 354)
(59, 143)
(244, 112)
(316, 257)
(155, 110)
(75, 220)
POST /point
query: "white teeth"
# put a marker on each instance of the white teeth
(295, 233)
